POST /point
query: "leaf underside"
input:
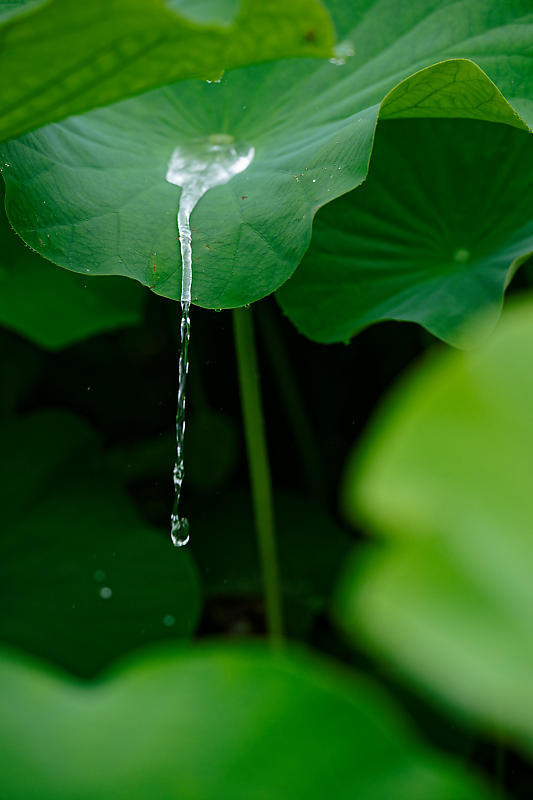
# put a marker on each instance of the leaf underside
(434, 234)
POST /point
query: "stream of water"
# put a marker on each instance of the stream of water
(196, 167)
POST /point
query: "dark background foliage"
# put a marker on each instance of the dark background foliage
(317, 399)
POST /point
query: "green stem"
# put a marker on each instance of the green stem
(500, 766)
(254, 429)
(295, 409)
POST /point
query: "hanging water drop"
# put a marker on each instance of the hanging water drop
(197, 167)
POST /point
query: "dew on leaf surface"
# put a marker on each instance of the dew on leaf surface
(341, 52)
(461, 256)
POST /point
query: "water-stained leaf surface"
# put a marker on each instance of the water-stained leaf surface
(109, 208)
(444, 478)
(55, 307)
(433, 235)
(83, 579)
(213, 723)
(85, 55)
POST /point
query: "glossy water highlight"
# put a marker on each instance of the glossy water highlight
(197, 167)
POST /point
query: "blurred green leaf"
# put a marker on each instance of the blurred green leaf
(21, 368)
(311, 548)
(64, 57)
(433, 235)
(211, 453)
(82, 578)
(311, 124)
(214, 723)
(211, 450)
(54, 307)
(445, 478)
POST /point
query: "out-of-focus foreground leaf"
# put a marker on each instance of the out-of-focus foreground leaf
(445, 479)
(63, 57)
(82, 578)
(213, 723)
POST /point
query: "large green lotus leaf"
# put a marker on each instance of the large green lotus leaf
(445, 478)
(211, 724)
(441, 223)
(90, 193)
(82, 578)
(53, 307)
(64, 57)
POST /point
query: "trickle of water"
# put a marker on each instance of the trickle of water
(197, 167)
(179, 526)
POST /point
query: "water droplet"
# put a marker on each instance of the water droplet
(179, 530)
(314, 180)
(341, 52)
(196, 166)
(105, 592)
(99, 575)
(169, 620)
(461, 256)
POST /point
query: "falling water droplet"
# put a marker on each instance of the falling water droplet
(197, 167)
(169, 620)
(105, 592)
